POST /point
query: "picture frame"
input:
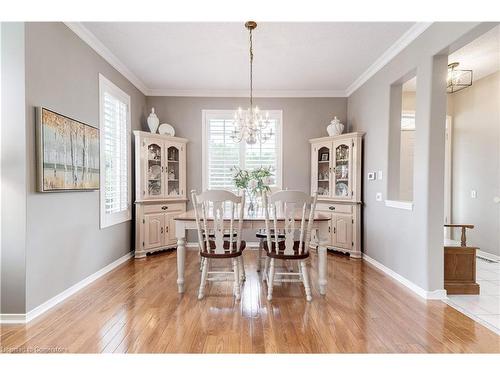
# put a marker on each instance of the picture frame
(324, 156)
(68, 153)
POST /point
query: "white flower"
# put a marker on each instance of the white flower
(252, 184)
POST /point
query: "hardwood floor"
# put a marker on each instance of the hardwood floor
(136, 308)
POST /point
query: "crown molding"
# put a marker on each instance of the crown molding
(409, 36)
(256, 93)
(88, 37)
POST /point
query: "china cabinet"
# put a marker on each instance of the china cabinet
(160, 190)
(336, 176)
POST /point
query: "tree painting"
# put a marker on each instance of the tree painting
(70, 152)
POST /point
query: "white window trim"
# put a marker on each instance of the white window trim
(229, 114)
(402, 205)
(107, 220)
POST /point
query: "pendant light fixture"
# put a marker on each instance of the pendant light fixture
(251, 125)
(458, 79)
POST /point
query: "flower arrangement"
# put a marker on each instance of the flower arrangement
(254, 182)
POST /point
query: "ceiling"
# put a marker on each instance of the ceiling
(482, 55)
(211, 59)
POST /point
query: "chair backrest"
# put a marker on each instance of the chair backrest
(290, 205)
(219, 211)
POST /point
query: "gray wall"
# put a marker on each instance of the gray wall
(13, 169)
(476, 165)
(410, 242)
(64, 241)
(303, 118)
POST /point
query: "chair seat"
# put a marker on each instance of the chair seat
(262, 233)
(211, 236)
(281, 249)
(227, 253)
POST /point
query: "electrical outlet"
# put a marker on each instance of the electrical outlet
(378, 197)
(473, 194)
(371, 176)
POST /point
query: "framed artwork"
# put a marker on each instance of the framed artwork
(67, 153)
(324, 156)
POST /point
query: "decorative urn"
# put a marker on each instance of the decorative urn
(335, 127)
(153, 121)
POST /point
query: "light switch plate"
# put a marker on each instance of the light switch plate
(371, 175)
(473, 194)
(379, 175)
(378, 197)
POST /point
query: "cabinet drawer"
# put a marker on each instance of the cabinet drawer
(164, 207)
(337, 208)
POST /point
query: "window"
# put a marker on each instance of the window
(114, 119)
(221, 152)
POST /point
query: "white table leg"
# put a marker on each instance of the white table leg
(322, 269)
(181, 261)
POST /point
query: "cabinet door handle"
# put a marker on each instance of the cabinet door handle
(166, 228)
(164, 207)
(332, 207)
(334, 230)
(329, 230)
(161, 230)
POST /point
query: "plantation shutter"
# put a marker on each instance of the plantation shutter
(223, 154)
(263, 154)
(116, 185)
(115, 154)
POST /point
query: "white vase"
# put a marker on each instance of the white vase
(335, 127)
(153, 121)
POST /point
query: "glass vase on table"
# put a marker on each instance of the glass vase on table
(252, 203)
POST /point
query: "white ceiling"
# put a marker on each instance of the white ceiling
(323, 59)
(482, 55)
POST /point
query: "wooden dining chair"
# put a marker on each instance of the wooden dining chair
(261, 235)
(289, 205)
(219, 221)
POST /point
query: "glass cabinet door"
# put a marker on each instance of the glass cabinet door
(342, 169)
(323, 176)
(173, 170)
(154, 169)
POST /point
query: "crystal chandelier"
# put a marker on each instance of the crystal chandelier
(251, 125)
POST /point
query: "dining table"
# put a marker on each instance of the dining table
(256, 221)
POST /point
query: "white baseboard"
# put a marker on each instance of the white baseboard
(37, 311)
(426, 294)
(12, 318)
(489, 256)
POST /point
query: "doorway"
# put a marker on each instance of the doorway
(472, 169)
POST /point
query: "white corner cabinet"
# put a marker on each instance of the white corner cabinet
(160, 190)
(336, 176)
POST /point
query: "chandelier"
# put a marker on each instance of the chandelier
(251, 125)
(457, 79)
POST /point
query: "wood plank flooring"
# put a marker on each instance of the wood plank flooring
(136, 308)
